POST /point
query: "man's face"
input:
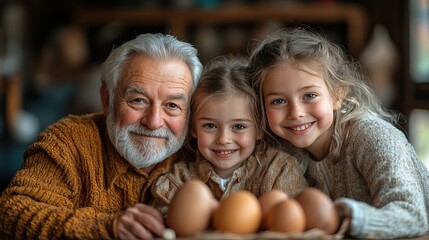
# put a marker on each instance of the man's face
(149, 120)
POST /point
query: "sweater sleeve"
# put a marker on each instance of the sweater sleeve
(44, 199)
(42, 206)
(282, 172)
(397, 182)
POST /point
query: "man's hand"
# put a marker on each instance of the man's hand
(140, 222)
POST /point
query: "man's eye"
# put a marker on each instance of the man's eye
(173, 106)
(137, 100)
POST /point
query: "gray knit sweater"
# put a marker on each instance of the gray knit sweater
(380, 178)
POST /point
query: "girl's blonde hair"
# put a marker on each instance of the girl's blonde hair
(226, 77)
(315, 54)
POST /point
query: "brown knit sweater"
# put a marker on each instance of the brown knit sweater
(73, 184)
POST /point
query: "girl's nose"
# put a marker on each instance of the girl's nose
(295, 111)
(224, 137)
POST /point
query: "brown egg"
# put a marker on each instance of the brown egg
(286, 216)
(268, 200)
(320, 211)
(239, 212)
(191, 208)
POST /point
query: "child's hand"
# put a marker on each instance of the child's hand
(343, 211)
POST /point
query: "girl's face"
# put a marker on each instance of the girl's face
(299, 108)
(225, 132)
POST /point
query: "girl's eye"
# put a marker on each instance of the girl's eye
(239, 126)
(309, 96)
(278, 101)
(209, 126)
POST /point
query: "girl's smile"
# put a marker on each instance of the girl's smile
(299, 107)
(226, 133)
(224, 153)
(300, 129)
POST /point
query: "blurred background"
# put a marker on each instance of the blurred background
(51, 52)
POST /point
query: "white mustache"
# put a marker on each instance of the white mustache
(159, 133)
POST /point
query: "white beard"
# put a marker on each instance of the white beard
(144, 153)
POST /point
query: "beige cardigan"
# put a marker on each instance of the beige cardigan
(276, 170)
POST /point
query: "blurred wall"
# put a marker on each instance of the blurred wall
(58, 60)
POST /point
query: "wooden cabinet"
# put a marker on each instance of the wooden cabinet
(349, 21)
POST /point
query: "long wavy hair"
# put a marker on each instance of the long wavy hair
(315, 54)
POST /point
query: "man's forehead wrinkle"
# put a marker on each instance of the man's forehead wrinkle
(133, 88)
(180, 95)
(141, 74)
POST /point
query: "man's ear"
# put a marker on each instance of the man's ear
(104, 94)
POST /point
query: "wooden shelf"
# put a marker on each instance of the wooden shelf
(177, 22)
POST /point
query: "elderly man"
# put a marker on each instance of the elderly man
(86, 177)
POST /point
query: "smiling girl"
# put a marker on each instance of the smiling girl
(226, 147)
(315, 98)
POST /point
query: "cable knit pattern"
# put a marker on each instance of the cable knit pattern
(381, 179)
(73, 184)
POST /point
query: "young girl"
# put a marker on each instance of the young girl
(227, 150)
(316, 98)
